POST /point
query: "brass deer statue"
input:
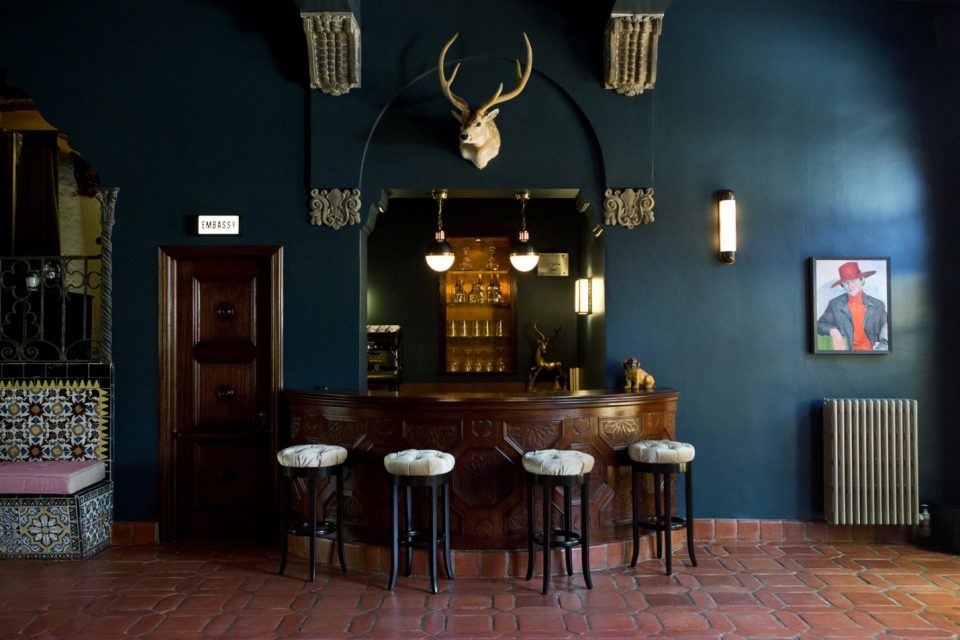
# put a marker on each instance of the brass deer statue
(479, 136)
(541, 364)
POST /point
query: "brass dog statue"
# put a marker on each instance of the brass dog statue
(635, 376)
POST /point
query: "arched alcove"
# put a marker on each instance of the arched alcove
(413, 149)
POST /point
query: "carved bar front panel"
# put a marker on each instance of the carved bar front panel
(488, 434)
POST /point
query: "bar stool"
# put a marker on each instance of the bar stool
(662, 458)
(551, 468)
(311, 461)
(419, 468)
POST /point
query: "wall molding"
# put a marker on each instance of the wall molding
(334, 208)
(628, 207)
(333, 47)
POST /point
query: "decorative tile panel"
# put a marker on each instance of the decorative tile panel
(45, 527)
(53, 420)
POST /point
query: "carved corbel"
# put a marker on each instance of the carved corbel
(628, 207)
(333, 46)
(334, 207)
(630, 47)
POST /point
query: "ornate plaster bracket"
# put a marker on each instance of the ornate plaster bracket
(334, 208)
(333, 45)
(630, 45)
(628, 207)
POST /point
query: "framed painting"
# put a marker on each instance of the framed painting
(851, 305)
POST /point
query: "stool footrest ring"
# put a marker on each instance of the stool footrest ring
(324, 528)
(658, 523)
(560, 538)
(419, 539)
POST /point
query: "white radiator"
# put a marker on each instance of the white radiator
(870, 461)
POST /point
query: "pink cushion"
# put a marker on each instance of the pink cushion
(61, 477)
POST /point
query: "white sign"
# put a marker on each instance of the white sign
(217, 225)
(554, 264)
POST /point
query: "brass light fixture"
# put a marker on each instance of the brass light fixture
(583, 296)
(440, 254)
(727, 223)
(523, 256)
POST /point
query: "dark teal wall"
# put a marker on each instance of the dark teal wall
(827, 119)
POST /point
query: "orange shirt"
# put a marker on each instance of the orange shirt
(858, 310)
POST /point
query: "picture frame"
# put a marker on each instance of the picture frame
(833, 282)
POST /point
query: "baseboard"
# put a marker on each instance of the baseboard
(124, 533)
(497, 563)
(748, 530)
(704, 530)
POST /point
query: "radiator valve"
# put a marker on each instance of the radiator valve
(923, 522)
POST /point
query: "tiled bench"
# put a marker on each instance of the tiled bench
(56, 496)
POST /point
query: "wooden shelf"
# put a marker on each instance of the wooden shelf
(470, 329)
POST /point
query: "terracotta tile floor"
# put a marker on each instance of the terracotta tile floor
(753, 590)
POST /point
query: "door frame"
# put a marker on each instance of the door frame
(168, 377)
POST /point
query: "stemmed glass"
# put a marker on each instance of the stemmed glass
(492, 264)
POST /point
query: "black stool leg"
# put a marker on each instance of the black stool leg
(284, 521)
(657, 498)
(530, 517)
(446, 531)
(395, 538)
(312, 484)
(338, 476)
(689, 499)
(568, 525)
(667, 522)
(546, 538)
(408, 526)
(585, 530)
(635, 495)
(433, 539)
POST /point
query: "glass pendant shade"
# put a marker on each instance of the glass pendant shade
(523, 256)
(440, 255)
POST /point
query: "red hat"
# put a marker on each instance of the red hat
(851, 271)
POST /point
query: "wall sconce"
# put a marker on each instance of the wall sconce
(523, 256)
(33, 281)
(583, 296)
(727, 221)
(440, 254)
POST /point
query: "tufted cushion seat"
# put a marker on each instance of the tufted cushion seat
(419, 462)
(312, 455)
(551, 462)
(661, 452)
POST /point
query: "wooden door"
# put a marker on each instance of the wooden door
(220, 375)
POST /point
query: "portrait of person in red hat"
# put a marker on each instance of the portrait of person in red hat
(854, 320)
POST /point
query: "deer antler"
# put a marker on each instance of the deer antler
(498, 96)
(537, 329)
(522, 78)
(456, 100)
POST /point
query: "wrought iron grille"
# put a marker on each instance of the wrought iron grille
(50, 308)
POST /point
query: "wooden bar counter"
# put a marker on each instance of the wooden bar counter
(488, 434)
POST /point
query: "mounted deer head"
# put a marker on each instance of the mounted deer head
(479, 137)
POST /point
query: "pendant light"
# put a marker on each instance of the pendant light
(523, 256)
(440, 254)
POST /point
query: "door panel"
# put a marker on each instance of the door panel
(225, 395)
(220, 377)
